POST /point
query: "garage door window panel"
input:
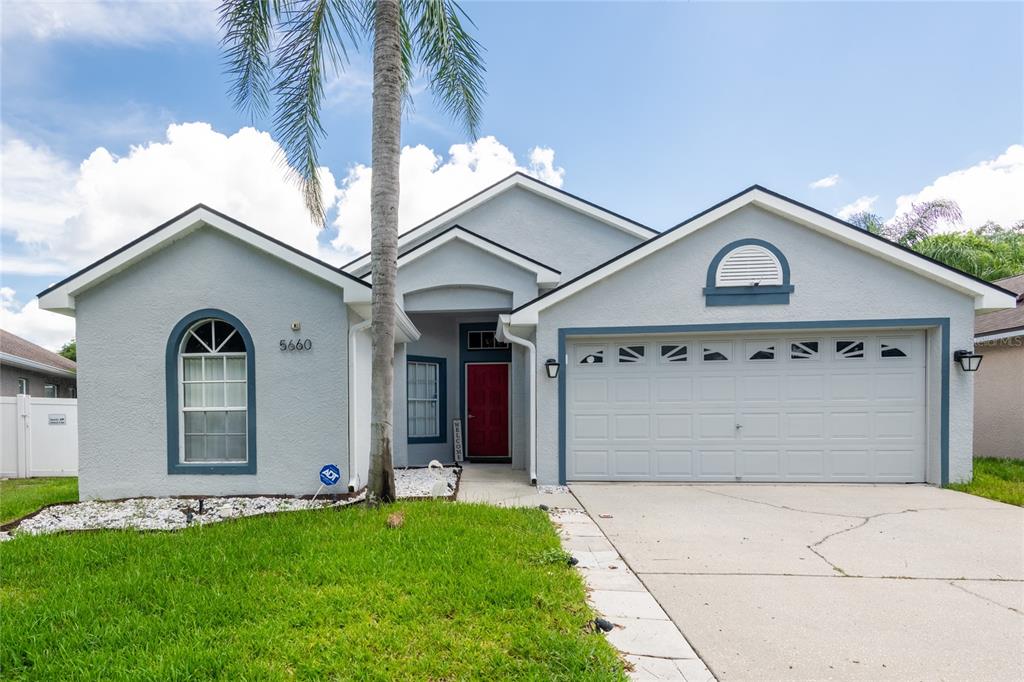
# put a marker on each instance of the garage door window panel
(760, 351)
(716, 351)
(804, 350)
(632, 354)
(590, 355)
(850, 349)
(674, 353)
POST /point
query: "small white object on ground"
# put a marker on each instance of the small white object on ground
(171, 513)
(643, 633)
(553, 489)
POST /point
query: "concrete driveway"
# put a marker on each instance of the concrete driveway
(828, 582)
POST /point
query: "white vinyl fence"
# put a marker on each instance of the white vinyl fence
(38, 437)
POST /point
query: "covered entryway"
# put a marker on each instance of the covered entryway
(841, 405)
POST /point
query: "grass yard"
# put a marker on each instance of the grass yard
(458, 592)
(21, 496)
(997, 479)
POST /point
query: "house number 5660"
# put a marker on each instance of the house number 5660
(297, 344)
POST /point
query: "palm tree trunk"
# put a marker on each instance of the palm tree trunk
(387, 122)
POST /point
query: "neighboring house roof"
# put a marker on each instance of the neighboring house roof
(60, 297)
(986, 295)
(1003, 323)
(546, 275)
(19, 352)
(523, 181)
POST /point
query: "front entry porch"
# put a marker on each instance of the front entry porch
(458, 374)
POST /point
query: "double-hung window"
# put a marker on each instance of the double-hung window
(425, 396)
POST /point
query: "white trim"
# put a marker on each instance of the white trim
(996, 336)
(985, 297)
(546, 277)
(25, 363)
(504, 334)
(542, 189)
(354, 423)
(62, 298)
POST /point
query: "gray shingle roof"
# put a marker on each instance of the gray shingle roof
(1003, 320)
(17, 346)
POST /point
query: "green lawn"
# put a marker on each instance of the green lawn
(458, 592)
(998, 479)
(21, 496)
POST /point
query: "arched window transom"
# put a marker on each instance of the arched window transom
(749, 266)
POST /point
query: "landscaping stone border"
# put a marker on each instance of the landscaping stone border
(643, 633)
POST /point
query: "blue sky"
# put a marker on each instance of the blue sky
(653, 110)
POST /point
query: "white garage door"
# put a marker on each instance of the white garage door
(841, 406)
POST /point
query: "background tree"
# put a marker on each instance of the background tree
(69, 350)
(990, 252)
(280, 54)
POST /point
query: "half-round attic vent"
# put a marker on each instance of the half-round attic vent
(749, 265)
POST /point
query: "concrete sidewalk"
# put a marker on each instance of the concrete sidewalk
(837, 582)
(503, 486)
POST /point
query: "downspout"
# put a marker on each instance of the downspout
(353, 393)
(505, 335)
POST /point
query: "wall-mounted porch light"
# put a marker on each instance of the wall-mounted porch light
(969, 362)
(552, 367)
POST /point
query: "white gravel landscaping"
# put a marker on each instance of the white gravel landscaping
(173, 513)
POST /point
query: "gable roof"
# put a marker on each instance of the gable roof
(523, 181)
(60, 297)
(546, 275)
(20, 352)
(986, 295)
(1003, 323)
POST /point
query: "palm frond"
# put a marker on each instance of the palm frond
(312, 46)
(452, 59)
(248, 28)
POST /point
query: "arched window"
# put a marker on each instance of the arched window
(210, 387)
(748, 272)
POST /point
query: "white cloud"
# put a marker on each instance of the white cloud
(66, 216)
(47, 329)
(63, 217)
(825, 182)
(430, 184)
(859, 205)
(110, 21)
(989, 190)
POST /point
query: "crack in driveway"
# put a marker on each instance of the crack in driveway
(955, 583)
(864, 520)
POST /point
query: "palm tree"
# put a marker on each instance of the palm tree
(911, 227)
(285, 50)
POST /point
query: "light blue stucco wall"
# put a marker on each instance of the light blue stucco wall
(832, 282)
(460, 276)
(523, 221)
(122, 330)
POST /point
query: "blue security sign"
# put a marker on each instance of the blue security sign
(330, 474)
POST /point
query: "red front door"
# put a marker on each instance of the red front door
(487, 410)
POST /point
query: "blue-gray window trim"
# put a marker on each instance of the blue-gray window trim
(442, 398)
(174, 463)
(942, 323)
(760, 295)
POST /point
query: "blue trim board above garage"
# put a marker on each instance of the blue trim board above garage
(940, 323)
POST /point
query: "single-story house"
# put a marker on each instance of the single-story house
(29, 369)
(999, 386)
(760, 340)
